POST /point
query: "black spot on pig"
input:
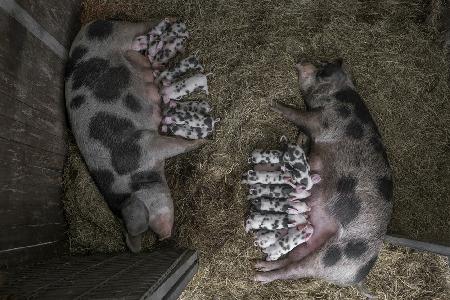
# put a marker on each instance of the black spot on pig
(77, 54)
(111, 84)
(346, 184)
(355, 248)
(328, 70)
(346, 209)
(365, 269)
(144, 179)
(77, 101)
(343, 111)
(107, 83)
(104, 179)
(87, 72)
(332, 256)
(119, 135)
(304, 181)
(99, 30)
(208, 122)
(385, 187)
(300, 166)
(351, 96)
(354, 130)
(132, 103)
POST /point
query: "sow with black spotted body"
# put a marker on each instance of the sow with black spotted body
(114, 111)
(351, 207)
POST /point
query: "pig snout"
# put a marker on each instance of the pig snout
(162, 225)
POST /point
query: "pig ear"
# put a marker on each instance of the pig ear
(133, 242)
(135, 216)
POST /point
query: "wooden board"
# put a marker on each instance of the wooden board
(33, 132)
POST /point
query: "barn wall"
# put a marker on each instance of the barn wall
(34, 39)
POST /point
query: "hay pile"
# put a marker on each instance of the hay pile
(251, 47)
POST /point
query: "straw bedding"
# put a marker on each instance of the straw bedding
(392, 50)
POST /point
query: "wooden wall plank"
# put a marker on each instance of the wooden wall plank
(29, 72)
(24, 235)
(16, 131)
(58, 17)
(35, 252)
(11, 151)
(13, 108)
(33, 132)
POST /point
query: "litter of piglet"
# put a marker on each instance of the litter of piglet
(279, 213)
(187, 119)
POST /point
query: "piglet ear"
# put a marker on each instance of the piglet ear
(283, 139)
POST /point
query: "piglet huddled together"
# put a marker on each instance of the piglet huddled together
(278, 185)
(188, 119)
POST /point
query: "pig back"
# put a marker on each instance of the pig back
(111, 118)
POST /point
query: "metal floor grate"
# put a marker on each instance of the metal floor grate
(161, 274)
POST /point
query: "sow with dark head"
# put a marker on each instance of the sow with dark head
(351, 207)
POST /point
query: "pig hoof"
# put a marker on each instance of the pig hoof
(166, 82)
(166, 99)
(261, 279)
(164, 128)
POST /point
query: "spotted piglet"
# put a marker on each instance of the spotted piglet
(277, 191)
(199, 106)
(190, 63)
(295, 164)
(187, 131)
(288, 241)
(185, 87)
(281, 205)
(259, 156)
(266, 238)
(114, 111)
(265, 177)
(351, 208)
(273, 221)
(191, 118)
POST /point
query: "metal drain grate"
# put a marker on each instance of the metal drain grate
(161, 274)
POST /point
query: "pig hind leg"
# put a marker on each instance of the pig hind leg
(295, 271)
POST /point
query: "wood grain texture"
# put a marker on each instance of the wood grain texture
(33, 133)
